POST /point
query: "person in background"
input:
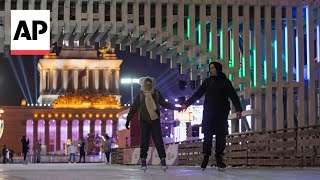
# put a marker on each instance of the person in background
(25, 148)
(37, 151)
(11, 155)
(72, 153)
(4, 154)
(82, 151)
(107, 148)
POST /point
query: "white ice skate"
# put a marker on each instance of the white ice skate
(163, 164)
(144, 165)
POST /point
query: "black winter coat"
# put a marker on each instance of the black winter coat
(217, 90)
(25, 145)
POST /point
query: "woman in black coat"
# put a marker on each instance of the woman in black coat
(25, 148)
(217, 89)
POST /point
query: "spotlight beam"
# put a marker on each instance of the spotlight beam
(24, 77)
(17, 78)
(35, 76)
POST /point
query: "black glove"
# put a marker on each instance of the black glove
(127, 124)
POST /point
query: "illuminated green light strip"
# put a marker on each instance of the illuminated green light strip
(243, 67)
(232, 53)
(265, 71)
(275, 54)
(230, 77)
(188, 27)
(210, 42)
(286, 49)
(199, 34)
(254, 68)
(221, 45)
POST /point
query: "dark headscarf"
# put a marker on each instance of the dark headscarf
(218, 67)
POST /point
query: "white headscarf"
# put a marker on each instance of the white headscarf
(150, 104)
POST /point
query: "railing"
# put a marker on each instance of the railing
(288, 147)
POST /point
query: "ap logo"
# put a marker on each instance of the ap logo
(30, 32)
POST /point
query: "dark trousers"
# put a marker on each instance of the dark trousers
(220, 143)
(4, 159)
(153, 128)
(107, 156)
(84, 158)
(25, 156)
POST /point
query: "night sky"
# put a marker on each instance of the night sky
(133, 66)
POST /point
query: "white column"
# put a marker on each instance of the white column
(257, 72)
(90, 16)
(43, 4)
(146, 20)
(158, 22)
(45, 80)
(117, 79)
(169, 24)
(54, 78)
(66, 14)
(106, 76)
(246, 46)
(192, 11)
(7, 23)
(101, 15)
(54, 15)
(41, 82)
(86, 79)
(203, 45)
(75, 79)
(214, 31)
(31, 5)
(96, 79)
(135, 19)
(19, 4)
(301, 103)
(267, 17)
(310, 66)
(78, 16)
(64, 78)
(235, 57)
(235, 35)
(289, 44)
(224, 22)
(180, 47)
(279, 101)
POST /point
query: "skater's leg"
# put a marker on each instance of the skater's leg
(108, 157)
(158, 141)
(220, 144)
(157, 138)
(207, 145)
(144, 137)
(220, 147)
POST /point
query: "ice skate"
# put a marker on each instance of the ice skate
(220, 164)
(163, 164)
(205, 161)
(144, 164)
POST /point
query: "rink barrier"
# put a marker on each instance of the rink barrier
(297, 147)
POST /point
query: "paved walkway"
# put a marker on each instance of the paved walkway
(99, 171)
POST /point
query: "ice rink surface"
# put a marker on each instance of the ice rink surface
(97, 171)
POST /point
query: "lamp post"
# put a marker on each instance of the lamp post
(131, 82)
